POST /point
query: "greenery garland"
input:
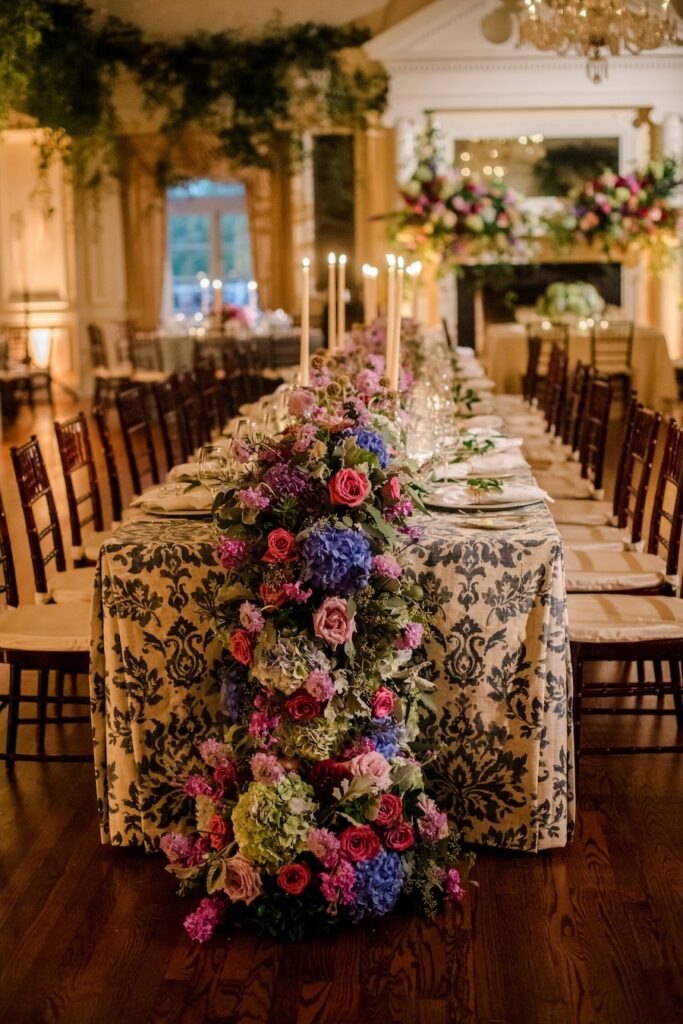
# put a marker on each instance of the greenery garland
(61, 68)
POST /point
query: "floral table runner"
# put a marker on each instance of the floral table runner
(499, 727)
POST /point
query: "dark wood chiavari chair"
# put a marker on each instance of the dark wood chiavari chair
(172, 421)
(542, 335)
(100, 417)
(41, 638)
(44, 531)
(137, 438)
(211, 395)
(555, 389)
(147, 359)
(612, 351)
(108, 379)
(191, 404)
(29, 379)
(82, 489)
(574, 406)
(593, 434)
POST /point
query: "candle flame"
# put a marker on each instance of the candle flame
(391, 259)
(401, 263)
(305, 263)
(331, 259)
(342, 260)
(415, 268)
(217, 283)
(252, 286)
(204, 282)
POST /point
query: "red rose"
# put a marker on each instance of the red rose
(241, 646)
(400, 837)
(390, 810)
(326, 776)
(294, 878)
(220, 832)
(392, 489)
(281, 547)
(359, 842)
(225, 775)
(302, 707)
(383, 702)
(349, 487)
(272, 596)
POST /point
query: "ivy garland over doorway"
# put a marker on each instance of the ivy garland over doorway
(60, 66)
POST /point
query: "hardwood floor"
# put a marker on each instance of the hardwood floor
(592, 934)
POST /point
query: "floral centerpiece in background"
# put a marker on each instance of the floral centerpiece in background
(625, 215)
(446, 219)
(311, 806)
(577, 299)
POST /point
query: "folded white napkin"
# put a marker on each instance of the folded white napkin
(184, 471)
(490, 465)
(470, 368)
(499, 441)
(482, 420)
(174, 497)
(457, 495)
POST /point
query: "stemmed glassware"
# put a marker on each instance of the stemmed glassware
(214, 467)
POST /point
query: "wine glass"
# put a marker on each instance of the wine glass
(213, 467)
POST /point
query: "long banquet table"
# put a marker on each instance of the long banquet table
(505, 357)
(499, 727)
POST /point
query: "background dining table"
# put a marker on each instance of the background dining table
(505, 357)
(498, 727)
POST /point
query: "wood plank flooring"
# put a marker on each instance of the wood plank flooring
(592, 934)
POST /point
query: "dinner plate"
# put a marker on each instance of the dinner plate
(177, 513)
(443, 503)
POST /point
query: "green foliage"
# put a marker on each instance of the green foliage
(61, 68)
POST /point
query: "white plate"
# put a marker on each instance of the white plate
(444, 504)
(190, 513)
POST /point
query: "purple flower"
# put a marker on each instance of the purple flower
(196, 785)
(411, 638)
(370, 442)
(386, 565)
(378, 885)
(201, 924)
(233, 554)
(385, 736)
(413, 532)
(399, 508)
(287, 482)
(251, 497)
(452, 887)
(337, 560)
(337, 885)
(319, 684)
(232, 682)
(241, 450)
(296, 592)
(324, 845)
(433, 825)
(251, 618)
(176, 847)
(305, 436)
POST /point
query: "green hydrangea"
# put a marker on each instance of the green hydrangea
(314, 740)
(271, 822)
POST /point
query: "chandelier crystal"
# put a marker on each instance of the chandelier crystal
(596, 29)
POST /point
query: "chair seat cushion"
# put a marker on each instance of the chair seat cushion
(565, 481)
(527, 426)
(92, 542)
(148, 376)
(45, 627)
(613, 570)
(72, 585)
(583, 513)
(595, 538)
(542, 453)
(111, 373)
(623, 618)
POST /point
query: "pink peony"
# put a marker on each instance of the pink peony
(213, 752)
(411, 637)
(386, 565)
(367, 382)
(373, 764)
(331, 622)
(233, 554)
(196, 785)
(176, 847)
(319, 684)
(250, 497)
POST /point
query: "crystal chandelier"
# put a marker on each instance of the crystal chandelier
(597, 28)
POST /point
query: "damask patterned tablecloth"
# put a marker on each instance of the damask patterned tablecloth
(499, 725)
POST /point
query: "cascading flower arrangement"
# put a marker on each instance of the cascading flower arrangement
(625, 215)
(311, 807)
(446, 218)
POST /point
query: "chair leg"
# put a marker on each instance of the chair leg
(675, 668)
(43, 680)
(13, 713)
(59, 693)
(640, 667)
(577, 676)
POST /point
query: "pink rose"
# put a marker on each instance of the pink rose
(349, 487)
(373, 764)
(392, 489)
(331, 622)
(383, 702)
(242, 880)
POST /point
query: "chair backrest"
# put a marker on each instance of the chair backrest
(137, 438)
(98, 348)
(145, 352)
(172, 421)
(192, 411)
(594, 429)
(611, 346)
(9, 593)
(642, 441)
(38, 505)
(667, 512)
(555, 389)
(623, 452)
(16, 339)
(80, 478)
(530, 380)
(210, 390)
(575, 402)
(100, 417)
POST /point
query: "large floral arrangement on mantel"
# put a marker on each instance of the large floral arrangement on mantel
(310, 804)
(446, 219)
(624, 215)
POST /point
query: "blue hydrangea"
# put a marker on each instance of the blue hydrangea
(378, 885)
(385, 734)
(337, 560)
(371, 442)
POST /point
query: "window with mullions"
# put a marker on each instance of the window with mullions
(208, 234)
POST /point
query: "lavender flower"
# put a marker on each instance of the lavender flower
(232, 682)
(337, 560)
(378, 885)
(287, 482)
(251, 497)
(201, 924)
